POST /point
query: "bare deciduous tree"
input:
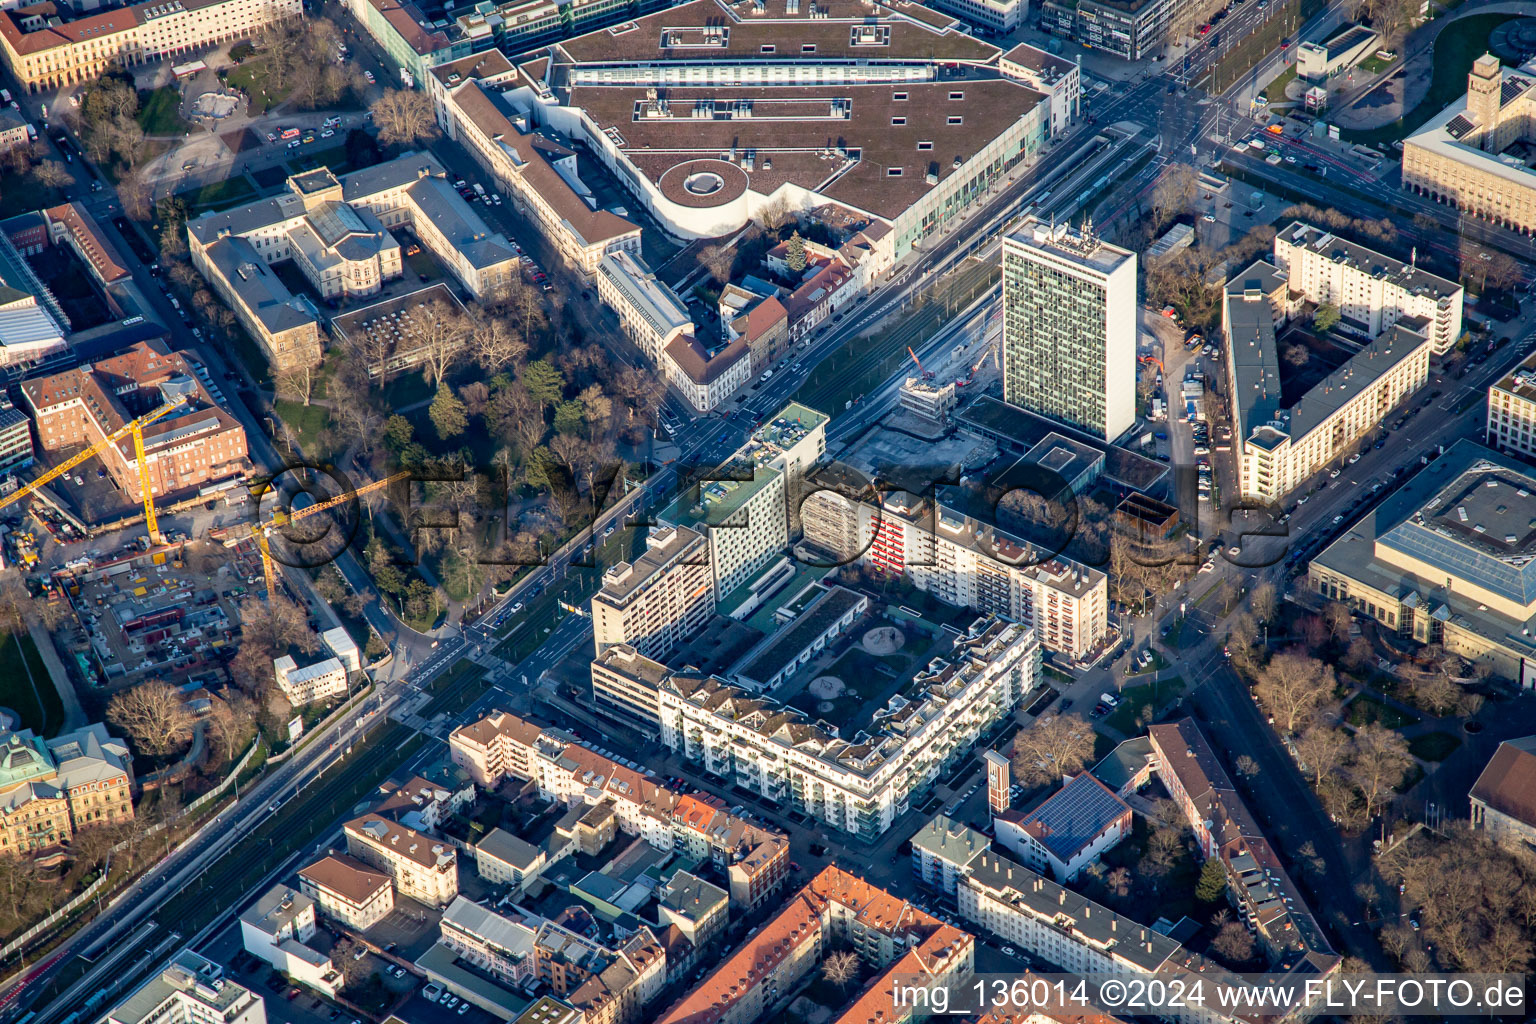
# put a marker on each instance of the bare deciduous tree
(153, 714)
(1379, 760)
(1052, 747)
(841, 968)
(296, 384)
(1294, 686)
(404, 117)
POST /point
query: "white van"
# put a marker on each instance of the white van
(1110, 699)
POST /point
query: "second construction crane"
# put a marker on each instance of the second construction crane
(281, 518)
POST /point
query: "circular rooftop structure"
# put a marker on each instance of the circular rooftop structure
(1514, 41)
(704, 183)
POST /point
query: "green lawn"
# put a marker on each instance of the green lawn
(1434, 746)
(1274, 92)
(34, 698)
(1134, 698)
(306, 421)
(1456, 48)
(1367, 710)
(160, 113)
(219, 194)
(252, 77)
(1375, 65)
(1158, 664)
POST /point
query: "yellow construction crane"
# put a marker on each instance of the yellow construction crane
(134, 427)
(281, 518)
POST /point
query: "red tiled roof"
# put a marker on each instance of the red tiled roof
(1508, 783)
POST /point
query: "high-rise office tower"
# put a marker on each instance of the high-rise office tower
(1069, 327)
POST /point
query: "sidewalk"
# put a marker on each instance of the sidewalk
(74, 715)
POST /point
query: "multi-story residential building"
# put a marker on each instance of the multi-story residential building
(1449, 560)
(499, 945)
(707, 373)
(1504, 796)
(1128, 29)
(624, 683)
(196, 446)
(1059, 79)
(1511, 410)
(191, 990)
(320, 681)
(277, 928)
(1072, 933)
(1278, 449)
(607, 985)
(412, 41)
(44, 52)
(338, 232)
(1069, 327)
(1470, 155)
(502, 858)
(978, 564)
(690, 110)
(1258, 885)
(835, 907)
(860, 784)
(658, 322)
(423, 868)
(536, 170)
(743, 506)
(697, 908)
(1372, 291)
(51, 789)
(424, 805)
(943, 852)
(13, 130)
(496, 747)
(948, 547)
(348, 891)
(659, 600)
(754, 859)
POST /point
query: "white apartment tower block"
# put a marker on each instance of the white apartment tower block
(1069, 327)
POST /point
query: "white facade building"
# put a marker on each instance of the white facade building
(320, 681)
(1369, 289)
(1512, 410)
(423, 868)
(192, 990)
(277, 928)
(658, 601)
(964, 561)
(1279, 448)
(349, 891)
(1069, 327)
(861, 784)
(1060, 79)
(743, 507)
(341, 644)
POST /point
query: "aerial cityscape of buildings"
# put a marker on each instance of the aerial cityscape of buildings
(742, 511)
